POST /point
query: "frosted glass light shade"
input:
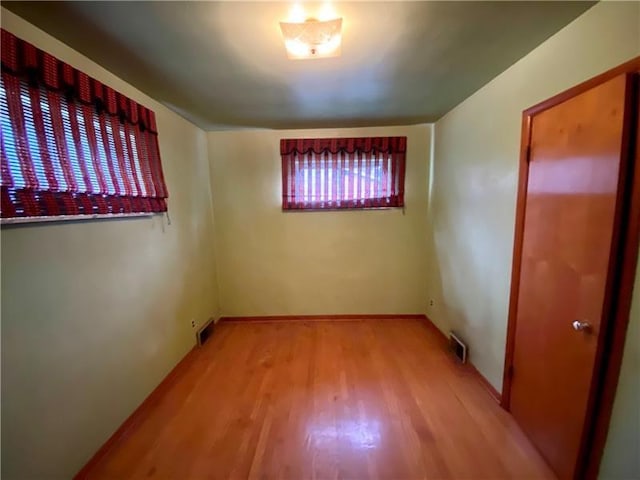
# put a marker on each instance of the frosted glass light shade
(312, 38)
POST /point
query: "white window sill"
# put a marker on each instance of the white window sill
(73, 218)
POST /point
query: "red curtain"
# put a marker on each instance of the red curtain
(339, 173)
(71, 145)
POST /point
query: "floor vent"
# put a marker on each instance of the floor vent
(205, 331)
(458, 347)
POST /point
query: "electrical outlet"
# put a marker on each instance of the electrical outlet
(193, 323)
(431, 303)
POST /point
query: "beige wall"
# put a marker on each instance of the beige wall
(96, 313)
(475, 177)
(621, 460)
(275, 263)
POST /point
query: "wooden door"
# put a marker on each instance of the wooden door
(572, 209)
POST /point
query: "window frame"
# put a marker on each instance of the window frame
(330, 157)
(83, 151)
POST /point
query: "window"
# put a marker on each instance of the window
(343, 173)
(71, 145)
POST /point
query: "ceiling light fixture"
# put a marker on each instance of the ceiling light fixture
(312, 38)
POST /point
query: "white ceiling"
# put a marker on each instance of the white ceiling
(223, 64)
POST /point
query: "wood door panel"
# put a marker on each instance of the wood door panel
(571, 204)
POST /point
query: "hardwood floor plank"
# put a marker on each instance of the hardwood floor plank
(324, 400)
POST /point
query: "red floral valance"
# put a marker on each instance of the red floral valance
(301, 146)
(23, 60)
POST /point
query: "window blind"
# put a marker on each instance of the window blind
(343, 173)
(71, 145)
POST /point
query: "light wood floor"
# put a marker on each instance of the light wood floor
(324, 399)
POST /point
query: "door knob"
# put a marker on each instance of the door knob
(581, 326)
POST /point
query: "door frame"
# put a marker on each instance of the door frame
(620, 279)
